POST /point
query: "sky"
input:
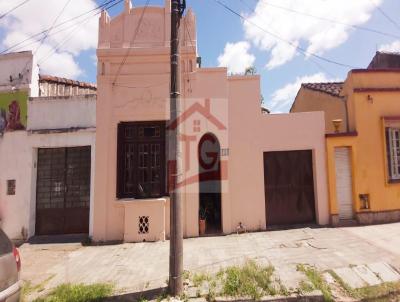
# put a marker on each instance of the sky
(289, 42)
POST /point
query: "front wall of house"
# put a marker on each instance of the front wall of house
(226, 107)
(18, 161)
(372, 173)
(334, 107)
(251, 134)
(368, 147)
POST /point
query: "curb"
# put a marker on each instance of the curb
(315, 296)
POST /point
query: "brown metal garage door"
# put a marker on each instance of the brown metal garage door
(63, 191)
(289, 187)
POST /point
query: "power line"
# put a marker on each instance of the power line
(13, 9)
(298, 48)
(131, 42)
(58, 25)
(333, 21)
(70, 35)
(387, 17)
(52, 26)
(319, 66)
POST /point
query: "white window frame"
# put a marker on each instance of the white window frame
(394, 153)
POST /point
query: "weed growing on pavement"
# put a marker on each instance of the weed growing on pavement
(199, 278)
(349, 291)
(249, 280)
(305, 287)
(316, 279)
(378, 291)
(78, 293)
(369, 292)
(164, 295)
(28, 288)
(212, 291)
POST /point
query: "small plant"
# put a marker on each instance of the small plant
(186, 275)
(28, 288)
(142, 299)
(212, 291)
(250, 280)
(162, 296)
(184, 297)
(78, 293)
(349, 291)
(203, 213)
(199, 278)
(305, 287)
(316, 280)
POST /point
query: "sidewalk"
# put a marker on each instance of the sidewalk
(139, 266)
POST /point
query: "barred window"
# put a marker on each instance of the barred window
(393, 152)
(141, 160)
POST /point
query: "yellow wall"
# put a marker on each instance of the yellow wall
(369, 146)
(308, 100)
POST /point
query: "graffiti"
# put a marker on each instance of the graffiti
(13, 111)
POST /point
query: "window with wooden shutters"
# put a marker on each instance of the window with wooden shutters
(393, 152)
(141, 160)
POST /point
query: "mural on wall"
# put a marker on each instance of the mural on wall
(13, 111)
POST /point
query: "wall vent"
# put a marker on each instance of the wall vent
(144, 223)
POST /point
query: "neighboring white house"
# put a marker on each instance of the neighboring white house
(47, 141)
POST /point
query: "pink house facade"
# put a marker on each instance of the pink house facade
(241, 169)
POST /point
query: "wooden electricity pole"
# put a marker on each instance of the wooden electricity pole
(176, 228)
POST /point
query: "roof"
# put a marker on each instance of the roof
(332, 88)
(385, 60)
(53, 79)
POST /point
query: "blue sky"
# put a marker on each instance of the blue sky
(216, 27)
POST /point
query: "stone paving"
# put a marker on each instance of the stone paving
(138, 266)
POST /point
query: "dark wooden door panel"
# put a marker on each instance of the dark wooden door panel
(289, 187)
(63, 190)
(49, 222)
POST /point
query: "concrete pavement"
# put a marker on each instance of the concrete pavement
(140, 266)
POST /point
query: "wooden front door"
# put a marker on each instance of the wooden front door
(289, 187)
(63, 190)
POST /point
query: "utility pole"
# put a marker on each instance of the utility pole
(175, 162)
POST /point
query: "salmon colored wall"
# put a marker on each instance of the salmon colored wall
(155, 209)
(140, 93)
(308, 100)
(253, 133)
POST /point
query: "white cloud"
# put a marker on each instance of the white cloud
(391, 47)
(37, 16)
(236, 57)
(282, 99)
(316, 35)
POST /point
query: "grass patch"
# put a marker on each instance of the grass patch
(348, 290)
(316, 280)
(29, 289)
(305, 287)
(378, 291)
(249, 280)
(78, 293)
(199, 278)
(370, 292)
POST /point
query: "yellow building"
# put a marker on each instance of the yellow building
(363, 152)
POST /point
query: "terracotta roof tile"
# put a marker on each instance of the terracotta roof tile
(53, 79)
(332, 88)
